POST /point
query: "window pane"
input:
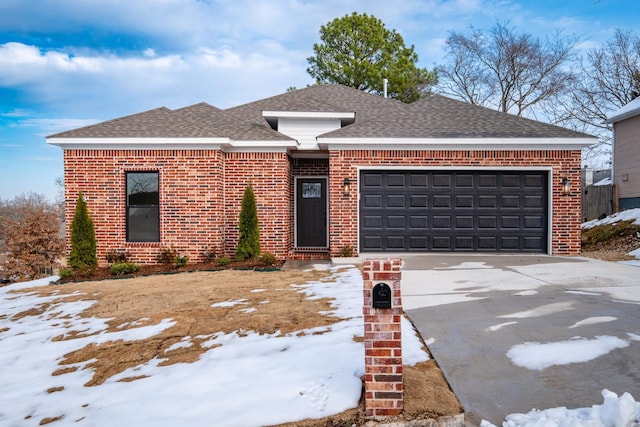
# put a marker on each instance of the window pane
(144, 225)
(142, 189)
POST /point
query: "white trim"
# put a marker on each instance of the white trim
(224, 144)
(281, 146)
(295, 208)
(308, 114)
(125, 143)
(548, 169)
(519, 144)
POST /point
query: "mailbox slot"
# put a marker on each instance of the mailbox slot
(381, 296)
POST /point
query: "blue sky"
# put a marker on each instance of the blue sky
(69, 63)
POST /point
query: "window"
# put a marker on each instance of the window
(143, 207)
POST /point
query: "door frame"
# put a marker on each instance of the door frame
(295, 208)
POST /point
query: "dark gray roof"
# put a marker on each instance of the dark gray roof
(323, 98)
(375, 117)
(196, 121)
(440, 117)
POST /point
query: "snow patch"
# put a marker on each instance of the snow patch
(593, 321)
(537, 356)
(615, 411)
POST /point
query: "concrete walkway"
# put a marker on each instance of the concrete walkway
(472, 310)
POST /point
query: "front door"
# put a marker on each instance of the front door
(311, 212)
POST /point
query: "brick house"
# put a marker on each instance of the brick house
(332, 168)
(626, 154)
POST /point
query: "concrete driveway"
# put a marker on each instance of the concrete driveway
(581, 318)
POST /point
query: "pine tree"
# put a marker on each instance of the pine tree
(249, 241)
(83, 238)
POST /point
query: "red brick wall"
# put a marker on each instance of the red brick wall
(197, 210)
(201, 193)
(343, 210)
(270, 175)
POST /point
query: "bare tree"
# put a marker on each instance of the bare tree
(609, 78)
(29, 229)
(502, 69)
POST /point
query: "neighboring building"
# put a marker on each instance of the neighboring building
(332, 168)
(626, 154)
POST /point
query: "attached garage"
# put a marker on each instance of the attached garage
(454, 211)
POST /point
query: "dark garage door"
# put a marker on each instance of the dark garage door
(446, 211)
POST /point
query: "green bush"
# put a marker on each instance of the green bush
(83, 237)
(224, 261)
(117, 257)
(122, 268)
(65, 273)
(167, 256)
(181, 261)
(268, 258)
(249, 241)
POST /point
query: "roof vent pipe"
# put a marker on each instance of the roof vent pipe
(384, 87)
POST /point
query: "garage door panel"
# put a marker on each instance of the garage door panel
(512, 201)
(510, 181)
(372, 222)
(465, 201)
(442, 201)
(534, 201)
(442, 222)
(488, 201)
(395, 221)
(372, 200)
(441, 181)
(395, 201)
(453, 211)
(371, 180)
(418, 180)
(418, 222)
(464, 222)
(395, 243)
(396, 180)
(418, 201)
(418, 243)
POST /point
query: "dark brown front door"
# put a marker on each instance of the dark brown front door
(311, 213)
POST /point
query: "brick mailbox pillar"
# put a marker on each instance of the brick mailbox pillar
(382, 337)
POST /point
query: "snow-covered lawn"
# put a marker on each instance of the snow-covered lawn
(248, 380)
(244, 379)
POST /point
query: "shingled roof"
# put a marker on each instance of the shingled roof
(440, 117)
(196, 121)
(375, 117)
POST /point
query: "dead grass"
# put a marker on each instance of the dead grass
(611, 242)
(187, 299)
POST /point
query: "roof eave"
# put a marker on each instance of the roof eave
(223, 143)
(518, 144)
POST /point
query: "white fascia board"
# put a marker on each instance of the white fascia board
(455, 143)
(224, 144)
(308, 114)
(139, 143)
(281, 146)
